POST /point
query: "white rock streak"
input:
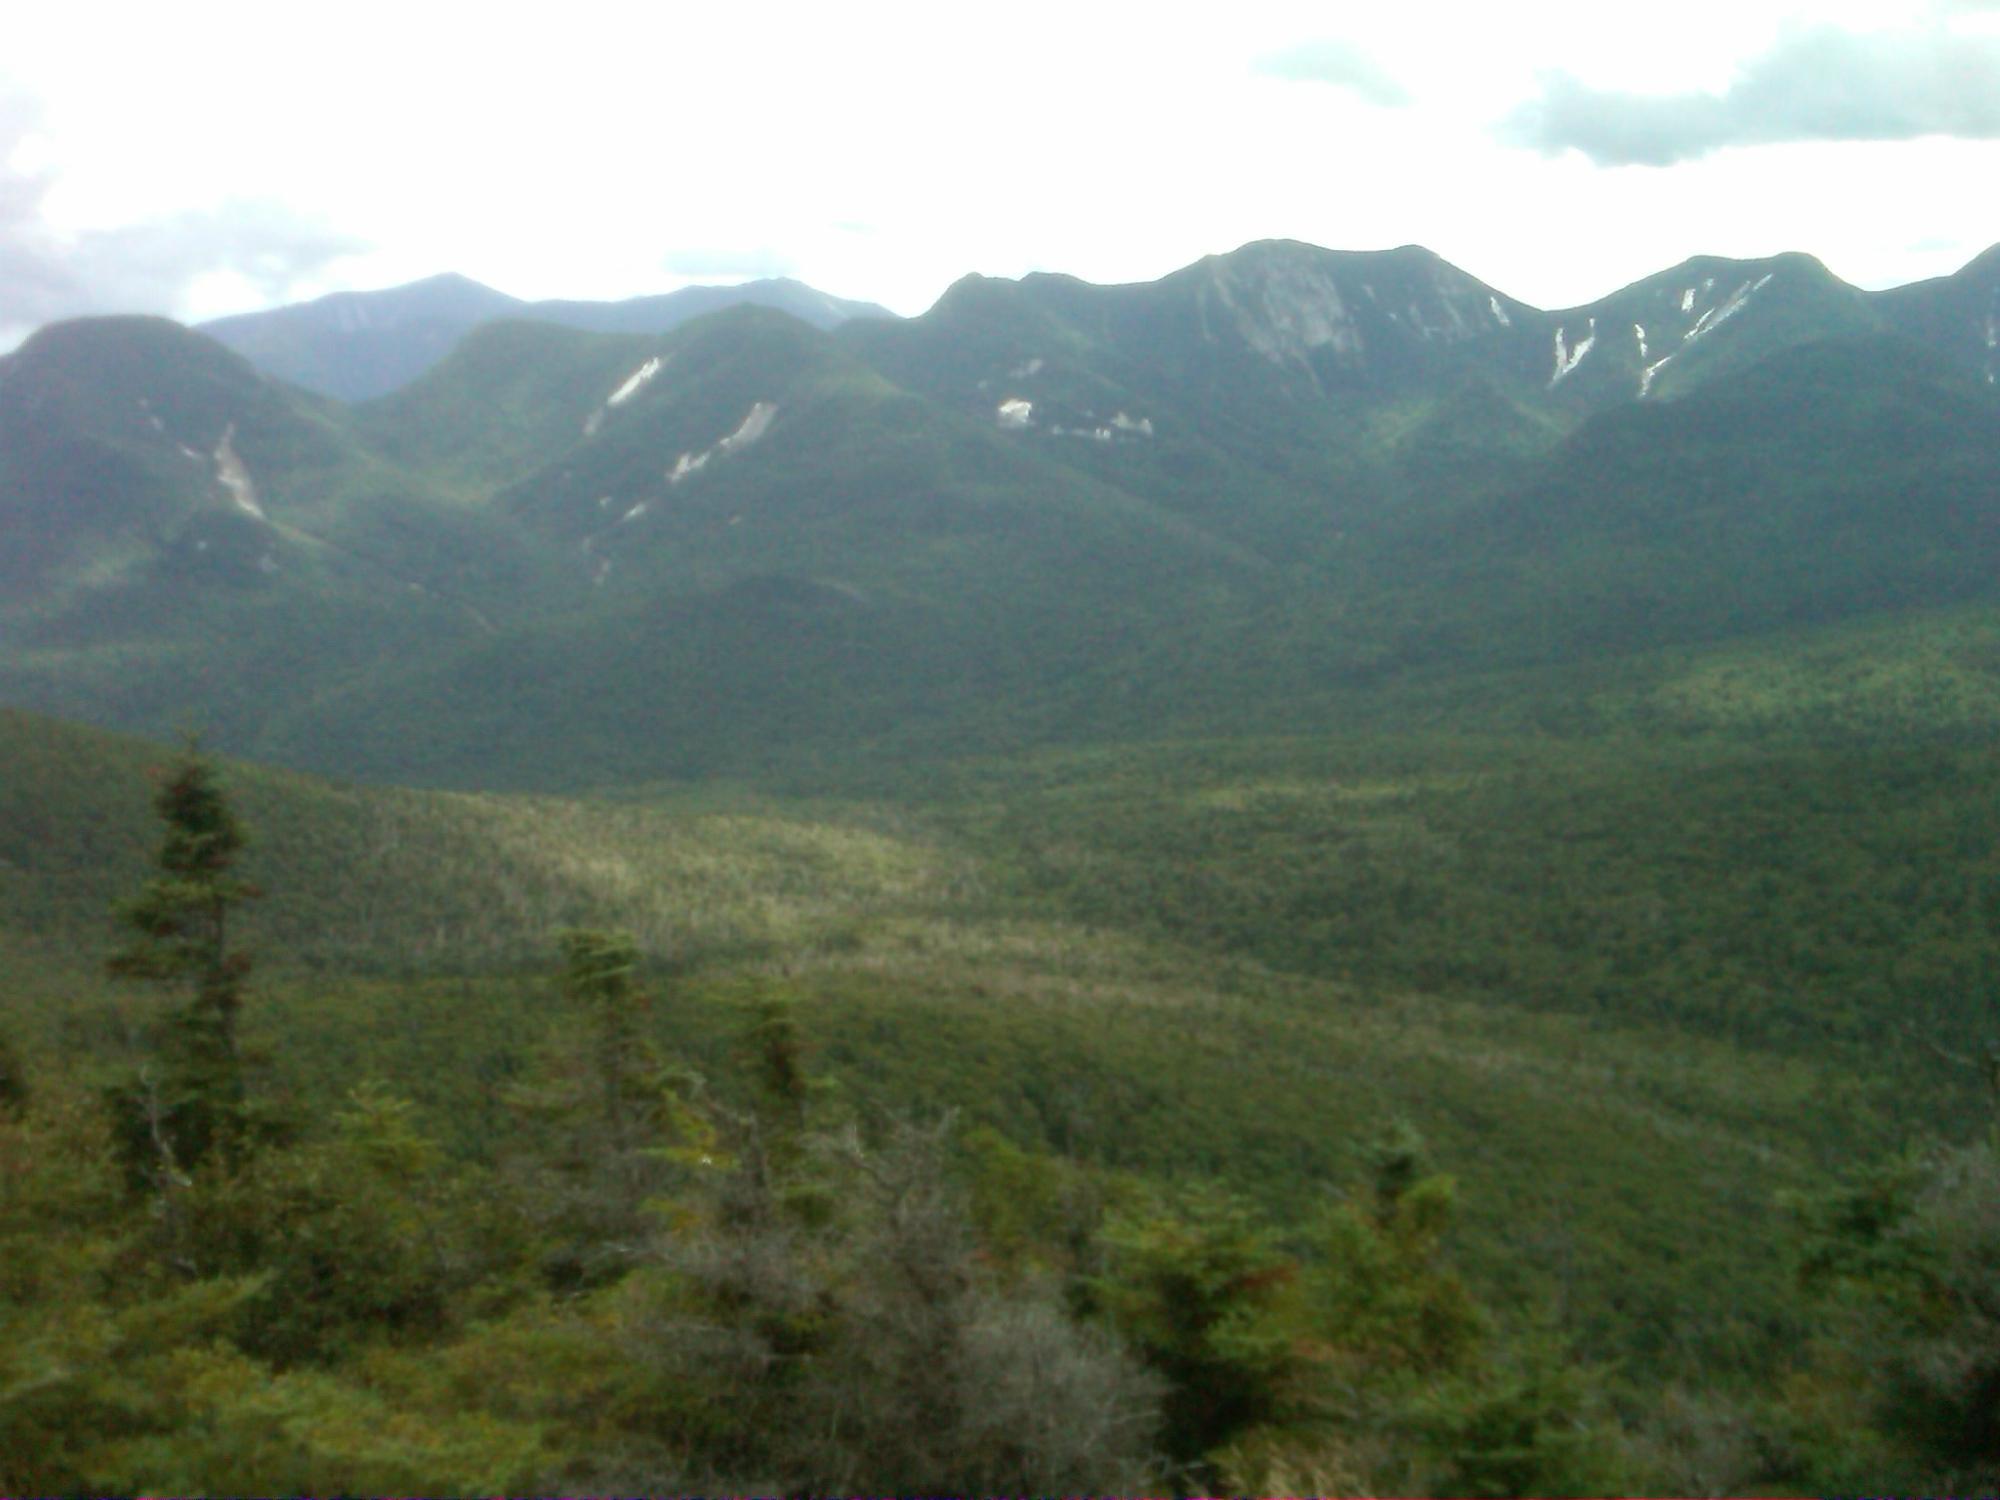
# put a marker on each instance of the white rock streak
(1715, 317)
(753, 426)
(1499, 311)
(1568, 359)
(634, 382)
(233, 477)
(1992, 334)
(1015, 413)
(628, 388)
(1708, 322)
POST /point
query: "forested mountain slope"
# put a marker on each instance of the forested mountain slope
(1043, 511)
(1300, 771)
(357, 345)
(1629, 983)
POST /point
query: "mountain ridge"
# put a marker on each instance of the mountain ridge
(1042, 509)
(357, 345)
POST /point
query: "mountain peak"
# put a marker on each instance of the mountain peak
(93, 348)
(1320, 311)
(454, 280)
(359, 345)
(1286, 252)
(1983, 266)
(447, 295)
(1699, 267)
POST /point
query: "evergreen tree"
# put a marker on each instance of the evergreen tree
(13, 1079)
(1906, 1263)
(189, 1101)
(599, 980)
(1204, 1297)
(827, 1325)
(608, 1115)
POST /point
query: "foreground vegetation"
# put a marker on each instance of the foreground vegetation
(692, 1285)
(1489, 1113)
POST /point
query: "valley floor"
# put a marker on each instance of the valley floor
(1633, 1002)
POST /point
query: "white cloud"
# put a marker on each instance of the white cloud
(263, 249)
(881, 151)
(1819, 84)
(723, 264)
(1338, 64)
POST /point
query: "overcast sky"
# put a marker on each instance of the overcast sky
(198, 159)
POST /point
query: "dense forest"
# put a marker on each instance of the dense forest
(1296, 879)
(772, 1212)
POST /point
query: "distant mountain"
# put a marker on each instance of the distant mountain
(1274, 336)
(129, 446)
(1336, 387)
(682, 548)
(181, 537)
(782, 548)
(1044, 509)
(121, 434)
(1665, 335)
(356, 345)
(1261, 393)
(1835, 480)
(1958, 314)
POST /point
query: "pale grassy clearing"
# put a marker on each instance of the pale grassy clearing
(1266, 793)
(458, 877)
(413, 882)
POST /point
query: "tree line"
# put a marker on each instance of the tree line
(749, 1279)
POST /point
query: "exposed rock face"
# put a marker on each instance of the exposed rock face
(1309, 309)
(1284, 307)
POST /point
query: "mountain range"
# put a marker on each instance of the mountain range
(354, 345)
(1222, 747)
(667, 544)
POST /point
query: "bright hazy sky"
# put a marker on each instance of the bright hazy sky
(198, 158)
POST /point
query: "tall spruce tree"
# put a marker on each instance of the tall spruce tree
(608, 1116)
(188, 1102)
(13, 1079)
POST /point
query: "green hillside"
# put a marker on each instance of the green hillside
(1252, 493)
(198, 542)
(1957, 314)
(1831, 481)
(510, 395)
(350, 345)
(1631, 982)
(356, 346)
(1259, 393)
(950, 947)
(1302, 878)
(786, 555)
(1668, 334)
